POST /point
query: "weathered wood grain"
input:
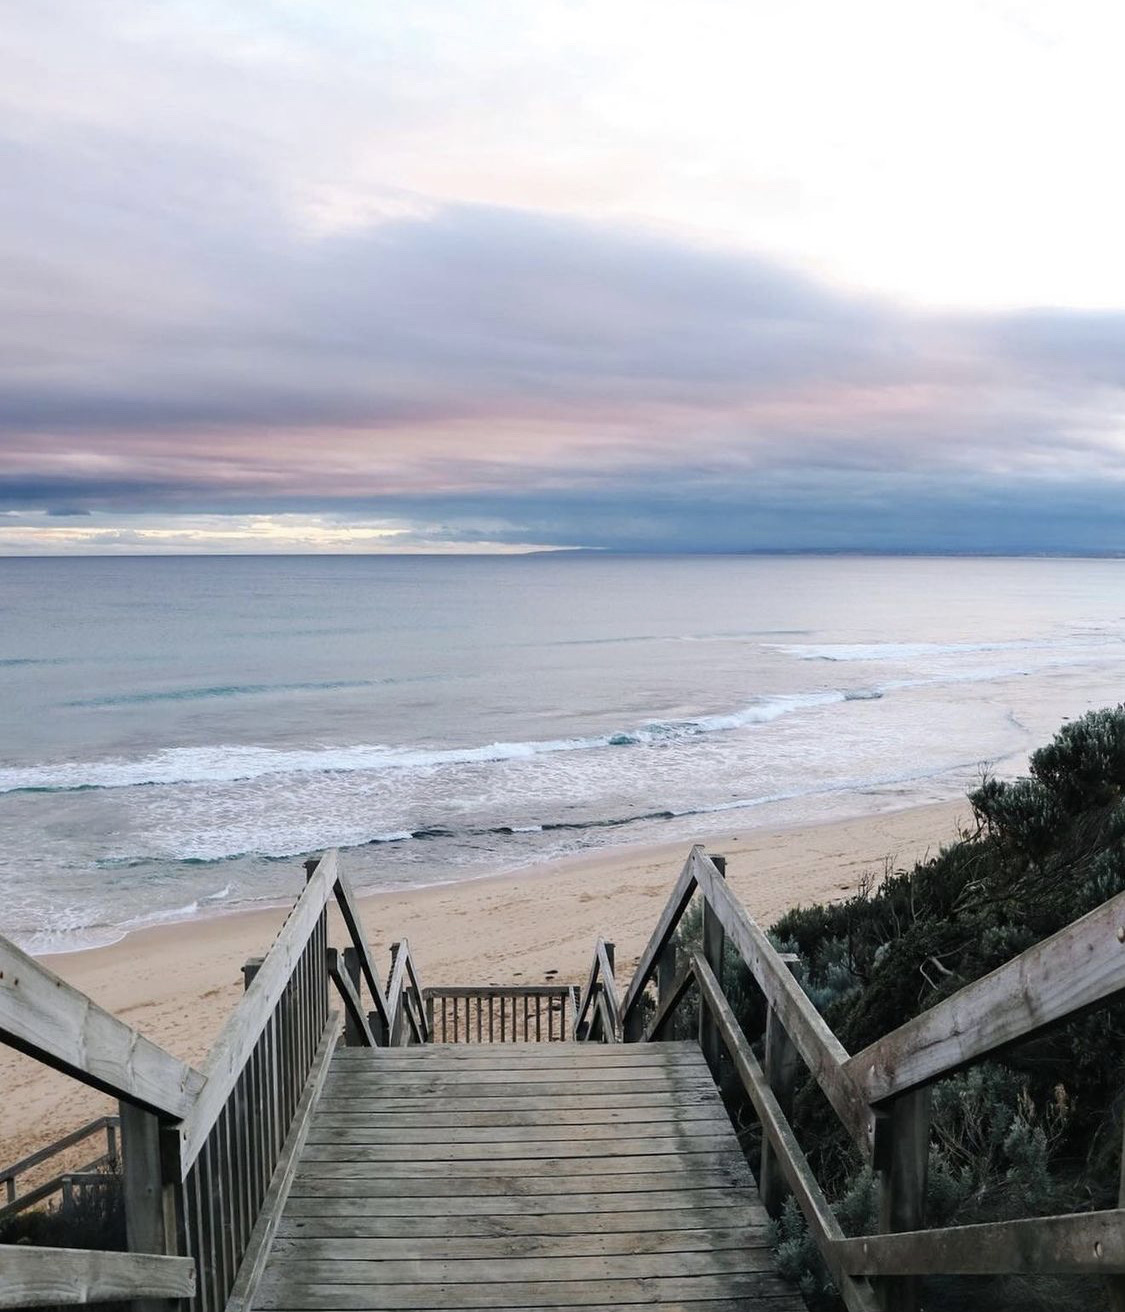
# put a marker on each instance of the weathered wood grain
(821, 1051)
(748, 1217)
(1078, 967)
(349, 911)
(261, 1238)
(246, 1023)
(361, 1166)
(1086, 1243)
(590, 1242)
(336, 1130)
(824, 1227)
(46, 1018)
(531, 1294)
(567, 1121)
(37, 1277)
(670, 917)
(679, 1177)
(456, 1155)
(303, 1268)
(358, 1023)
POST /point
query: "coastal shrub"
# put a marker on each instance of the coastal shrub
(1037, 1130)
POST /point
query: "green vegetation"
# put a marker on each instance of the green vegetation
(1036, 1131)
(93, 1218)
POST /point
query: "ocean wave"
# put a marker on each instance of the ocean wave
(462, 837)
(900, 651)
(217, 691)
(232, 763)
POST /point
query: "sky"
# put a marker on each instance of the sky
(476, 275)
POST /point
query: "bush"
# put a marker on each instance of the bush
(1038, 1130)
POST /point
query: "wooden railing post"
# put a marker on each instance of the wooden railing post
(353, 1038)
(714, 939)
(153, 1204)
(902, 1150)
(782, 1065)
(1116, 1284)
(394, 1039)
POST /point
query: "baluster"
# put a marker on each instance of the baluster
(782, 1066)
(1116, 1284)
(713, 944)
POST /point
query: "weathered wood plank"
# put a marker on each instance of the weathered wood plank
(671, 995)
(335, 1198)
(480, 1085)
(349, 912)
(469, 1272)
(520, 1056)
(330, 1130)
(533, 1294)
(524, 1248)
(46, 1018)
(557, 991)
(659, 1179)
(1076, 968)
(1086, 1243)
(515, 1102)
(665, 927)
(358, 1023)
(245, 1024)
(37, 1277)
(822, 1222)
(360, 1165)
(821, 1051)
(456, 1155)
(587, 1227)
(269, 1214)
(770, 1300)
(568, 1121)
(101, 1125)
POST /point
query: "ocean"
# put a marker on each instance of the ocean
(176, 734)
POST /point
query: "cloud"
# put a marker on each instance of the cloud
(203, 317)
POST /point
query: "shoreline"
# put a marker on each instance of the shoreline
(177, 982)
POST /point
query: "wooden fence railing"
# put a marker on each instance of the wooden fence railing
(205, 1153)
(599, 1011)
(515, 1013)
(881, 1094)
(15, 1201)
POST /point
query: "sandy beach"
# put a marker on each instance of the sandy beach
(177, 983)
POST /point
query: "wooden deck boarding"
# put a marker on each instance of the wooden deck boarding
(526, 1176)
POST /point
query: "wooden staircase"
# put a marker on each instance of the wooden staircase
(302, 1169)
(531, 1175)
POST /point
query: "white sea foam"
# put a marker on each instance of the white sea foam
(228, 763)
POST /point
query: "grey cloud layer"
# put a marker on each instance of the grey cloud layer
(175, 335)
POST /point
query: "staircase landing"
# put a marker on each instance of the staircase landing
(522, 1176)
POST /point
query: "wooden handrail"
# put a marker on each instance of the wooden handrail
(1078, 1243)
(37, 1277)
(819, 1215)
(350, 914)
(1074, 970)
(10, 1173)
(600, 997)
(402, 987)
(666, 926)
(1077, 968)
(46, 1018)
(245, 1024)
(821, 1050)
(352, 1005)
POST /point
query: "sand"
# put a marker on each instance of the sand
(178, 983)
